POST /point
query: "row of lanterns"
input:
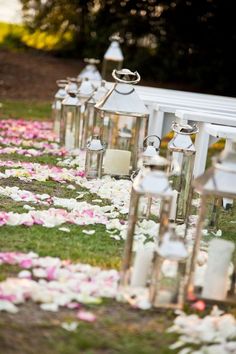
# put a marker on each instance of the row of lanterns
(168, 270)
(112, 126)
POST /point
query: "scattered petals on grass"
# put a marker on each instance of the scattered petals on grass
(86, 316)
(89, 232)
(70, 327)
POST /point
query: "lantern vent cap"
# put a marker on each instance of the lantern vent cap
(172, 246)
(95, 144)
(185, 129)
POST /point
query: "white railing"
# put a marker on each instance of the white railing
(166, 105)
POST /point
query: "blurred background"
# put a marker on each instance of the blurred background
(186, 45)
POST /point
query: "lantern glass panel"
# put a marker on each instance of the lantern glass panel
(181, 152)
(152, 184)
(94, 158)
(70, 133)
(216, 183)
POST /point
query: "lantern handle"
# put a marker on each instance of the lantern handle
(145, 141)
(61, 83)
(91, 61)
(126, 76)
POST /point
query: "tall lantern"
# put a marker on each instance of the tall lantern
(89, 114)
(182, 154)
(152, 183)
(90, 71)
(70, 132)
(85, 92)
(94, 157)
(123, 119)
(58, 98)
(113, 57)
(217, 182)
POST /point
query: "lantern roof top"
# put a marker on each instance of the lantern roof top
(122, 98)
(71, 100)
(90, 71)
(219, 180)
(182, 141)
(152, 182)
(114, 52)
(101, 91)
(86, 90)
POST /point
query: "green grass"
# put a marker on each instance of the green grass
(25, 109)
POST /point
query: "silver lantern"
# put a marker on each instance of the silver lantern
(151, 146)
(56, 106)
(94, 157)
(182, 154)
(90, 71)
(70, 132)
(85, 92)
(113, 57)
(89, 122)
(168, 276)
(123, 120)
(217, 182)
(153, 183)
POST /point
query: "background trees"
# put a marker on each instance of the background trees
(190, 42)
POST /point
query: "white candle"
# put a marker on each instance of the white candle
(216, 276)
(173, 205)
(69, 139)
(142, 265)
(117, 162)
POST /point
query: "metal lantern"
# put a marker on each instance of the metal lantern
(151, 184)
(70, 132)
(151, 146)
(182, 154)
(85, 92)
(58, 98)
(113, 57)
(123, 116)
(89, 113)
(94, 158)
(90, 71)
(168, 276)
(217, 182)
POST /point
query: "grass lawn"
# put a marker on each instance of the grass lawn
(119, 329)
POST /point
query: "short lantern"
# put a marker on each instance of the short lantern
(56, 106)
(94, 158)
(151, 146)
(152, 183)
(181, 152)
(217, 182)
(168, 276)
(123, 119)
(70, 133)
(113, 57)
(90, 71)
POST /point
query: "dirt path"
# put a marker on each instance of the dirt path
(32, 75)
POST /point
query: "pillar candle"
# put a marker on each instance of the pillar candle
(142, 265)
(117, 162)
(216, 276)
(173, 205)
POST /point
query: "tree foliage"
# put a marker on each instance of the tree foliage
(189, 42)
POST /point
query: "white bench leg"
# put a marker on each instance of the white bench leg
(201, 144)
(156, 123)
